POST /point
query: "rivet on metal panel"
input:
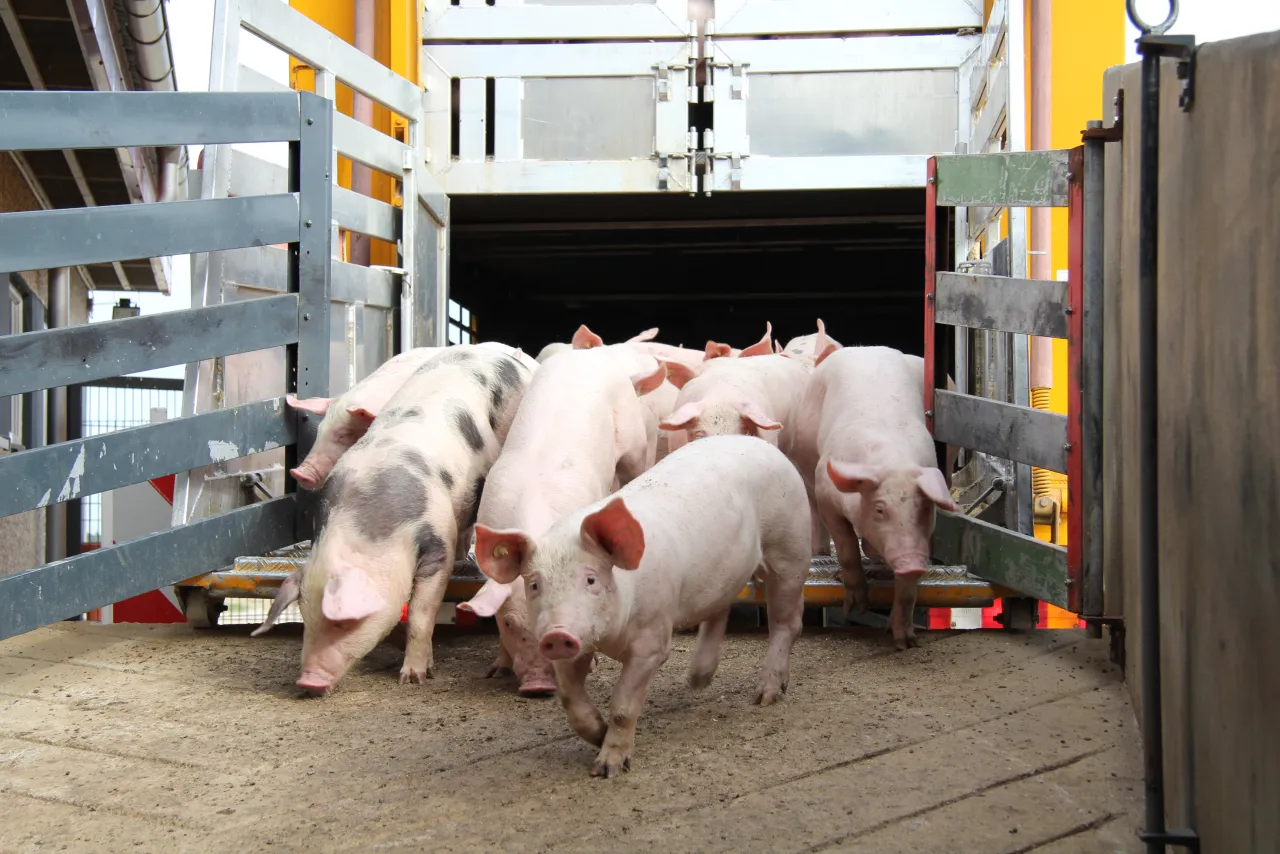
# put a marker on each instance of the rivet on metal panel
(308, 223)
(311, 121)
(735, 172)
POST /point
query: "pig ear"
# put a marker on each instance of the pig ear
(614, 532)
(350, 595)
(305, 478)
(679, 373)
(763, 347)
(585, 339)
(647, 335)
(754, 417)
(501, 554)
(715, 350)
(644, 383)
(826, 350)
(777, 348)
(934, 485)
(682, 418)
(314, 405)
(286, 595)
(853, 477)
(488, 599)
(362, 413)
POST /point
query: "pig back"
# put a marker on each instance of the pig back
(711, 512)
(873, 404)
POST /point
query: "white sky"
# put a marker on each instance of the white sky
(191, 24)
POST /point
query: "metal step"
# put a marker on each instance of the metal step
(941, 587)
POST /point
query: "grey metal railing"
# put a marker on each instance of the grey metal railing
(297, 319)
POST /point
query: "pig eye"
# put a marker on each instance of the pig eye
(533, 587)
(879, 508)
(591, 579)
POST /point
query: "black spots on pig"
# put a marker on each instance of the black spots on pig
(468, 429)
(509, 371)
(412, 413)
(413, 460)
(433, 554)
(506, 380)
(450, 356)
(473, 502)
(480, 377)
(378, 502)
(447, 479)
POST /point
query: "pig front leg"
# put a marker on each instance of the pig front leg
(820, 540)
(905, 587)
(706, 651)
(849, 554)
(571, 686)
(502, 665)
(784, 593)
(628, 699)
(424, 604)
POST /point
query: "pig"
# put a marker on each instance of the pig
(581, 428)
(809, 349)
(347, 421)
(585, 338)
(397, 510)
(672, 549)
(871, 472)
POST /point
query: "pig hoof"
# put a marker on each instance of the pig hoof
(698, 681)
(413, 674)
(607, 770)
(498, 671)
(768, 693)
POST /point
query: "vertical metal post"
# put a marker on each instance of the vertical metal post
(55, 532)
(1091, 402)
(1148, 431)
(1075, 408)
(75, 430)
(310, 164)
(930, 286)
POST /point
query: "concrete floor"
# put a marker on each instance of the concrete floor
(137, 738)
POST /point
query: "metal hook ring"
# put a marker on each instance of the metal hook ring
(1160, 29)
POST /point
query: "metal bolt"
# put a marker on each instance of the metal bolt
(1068, 310)
(928, 413)
(306, 316)
(929, 297)
(1067, 447)
(308, 223)
(933, 179)
(1071, 176)
(311, 121)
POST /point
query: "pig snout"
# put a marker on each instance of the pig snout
(538, 685)
(315, 682)
(559, 644)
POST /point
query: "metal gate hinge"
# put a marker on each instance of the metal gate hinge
(1182, 48)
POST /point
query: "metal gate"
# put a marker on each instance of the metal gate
(376, 311)
(1006, 304)
(296, 318)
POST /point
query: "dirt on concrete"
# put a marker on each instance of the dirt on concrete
(161, 738)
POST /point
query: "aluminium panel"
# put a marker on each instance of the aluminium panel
(1013, 179)
(1030, 306)
(1036, 437)
(664, 19)
(807, 17)
(1019, 562)
(588, 118)
(74, 354)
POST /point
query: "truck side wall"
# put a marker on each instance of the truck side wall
(1219, 458)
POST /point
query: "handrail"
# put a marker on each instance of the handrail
(144, 119)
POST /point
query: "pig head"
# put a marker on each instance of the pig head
(518, 650)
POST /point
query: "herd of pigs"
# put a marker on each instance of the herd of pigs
(615, 493)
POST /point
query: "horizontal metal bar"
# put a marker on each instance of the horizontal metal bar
(63, 238)
(1031, 306)
(839, 55)
(609, 59)
(252, 80)
(265, 267)
(1024, 564)
(358, 212)
(1017, 179)
(44, 476)
(771, 18)
(299, 36)
(37, 597)
(152, 383)
(365, 145)
(42, 121)
(352, 283)
(431, 194)
(76, 354)
(254, 176)
(530, 23)
(1033, 436)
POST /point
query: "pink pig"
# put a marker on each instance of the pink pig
(348, 417)
(396, 511)
(810, 349)
(582, 425)
(672, 549)
(871, 471)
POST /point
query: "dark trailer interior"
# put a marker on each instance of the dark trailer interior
(532, 268)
